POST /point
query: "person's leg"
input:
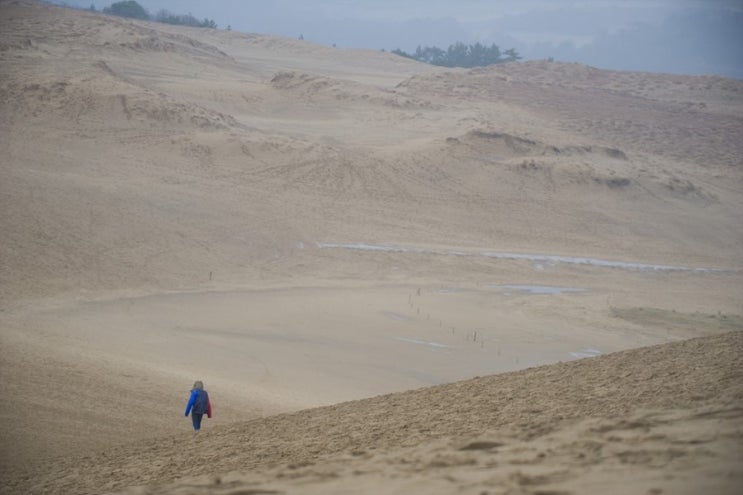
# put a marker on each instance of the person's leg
(196, 419)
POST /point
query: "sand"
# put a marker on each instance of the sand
(662, 419)
(300, 227)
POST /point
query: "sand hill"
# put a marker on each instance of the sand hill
(663, 419)
(309, 230)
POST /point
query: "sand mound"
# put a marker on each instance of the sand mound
(504, 145)
(543, 88)
(108, 98)
(310, 87)
(713, 93)
(88, 30)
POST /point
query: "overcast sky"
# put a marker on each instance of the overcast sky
(683, 36)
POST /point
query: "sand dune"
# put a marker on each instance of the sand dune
(301, 226)
(660, 419)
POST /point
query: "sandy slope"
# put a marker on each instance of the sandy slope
(169, 154)
(301, 226)
(662, 419)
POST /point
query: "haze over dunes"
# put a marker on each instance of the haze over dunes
(300, 226)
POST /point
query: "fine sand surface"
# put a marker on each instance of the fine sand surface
(300, 227)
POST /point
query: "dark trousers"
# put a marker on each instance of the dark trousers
(196, 418)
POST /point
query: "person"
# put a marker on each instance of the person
(198, 405)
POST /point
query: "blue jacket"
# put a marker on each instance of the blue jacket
(199, 403)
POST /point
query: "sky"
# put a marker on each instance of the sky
(677, 36)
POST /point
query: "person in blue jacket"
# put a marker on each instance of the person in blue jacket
(198, 405)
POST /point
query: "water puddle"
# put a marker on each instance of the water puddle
(435, 345)
(448, 290)
(395, 316)
(586, 353)
(539, 259)
(538, 289)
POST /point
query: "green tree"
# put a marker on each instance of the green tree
(461, 55)
(127, 8)
(431, 55)
(511, 55)
(457, 55)
(493, 55)
(167, 17)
